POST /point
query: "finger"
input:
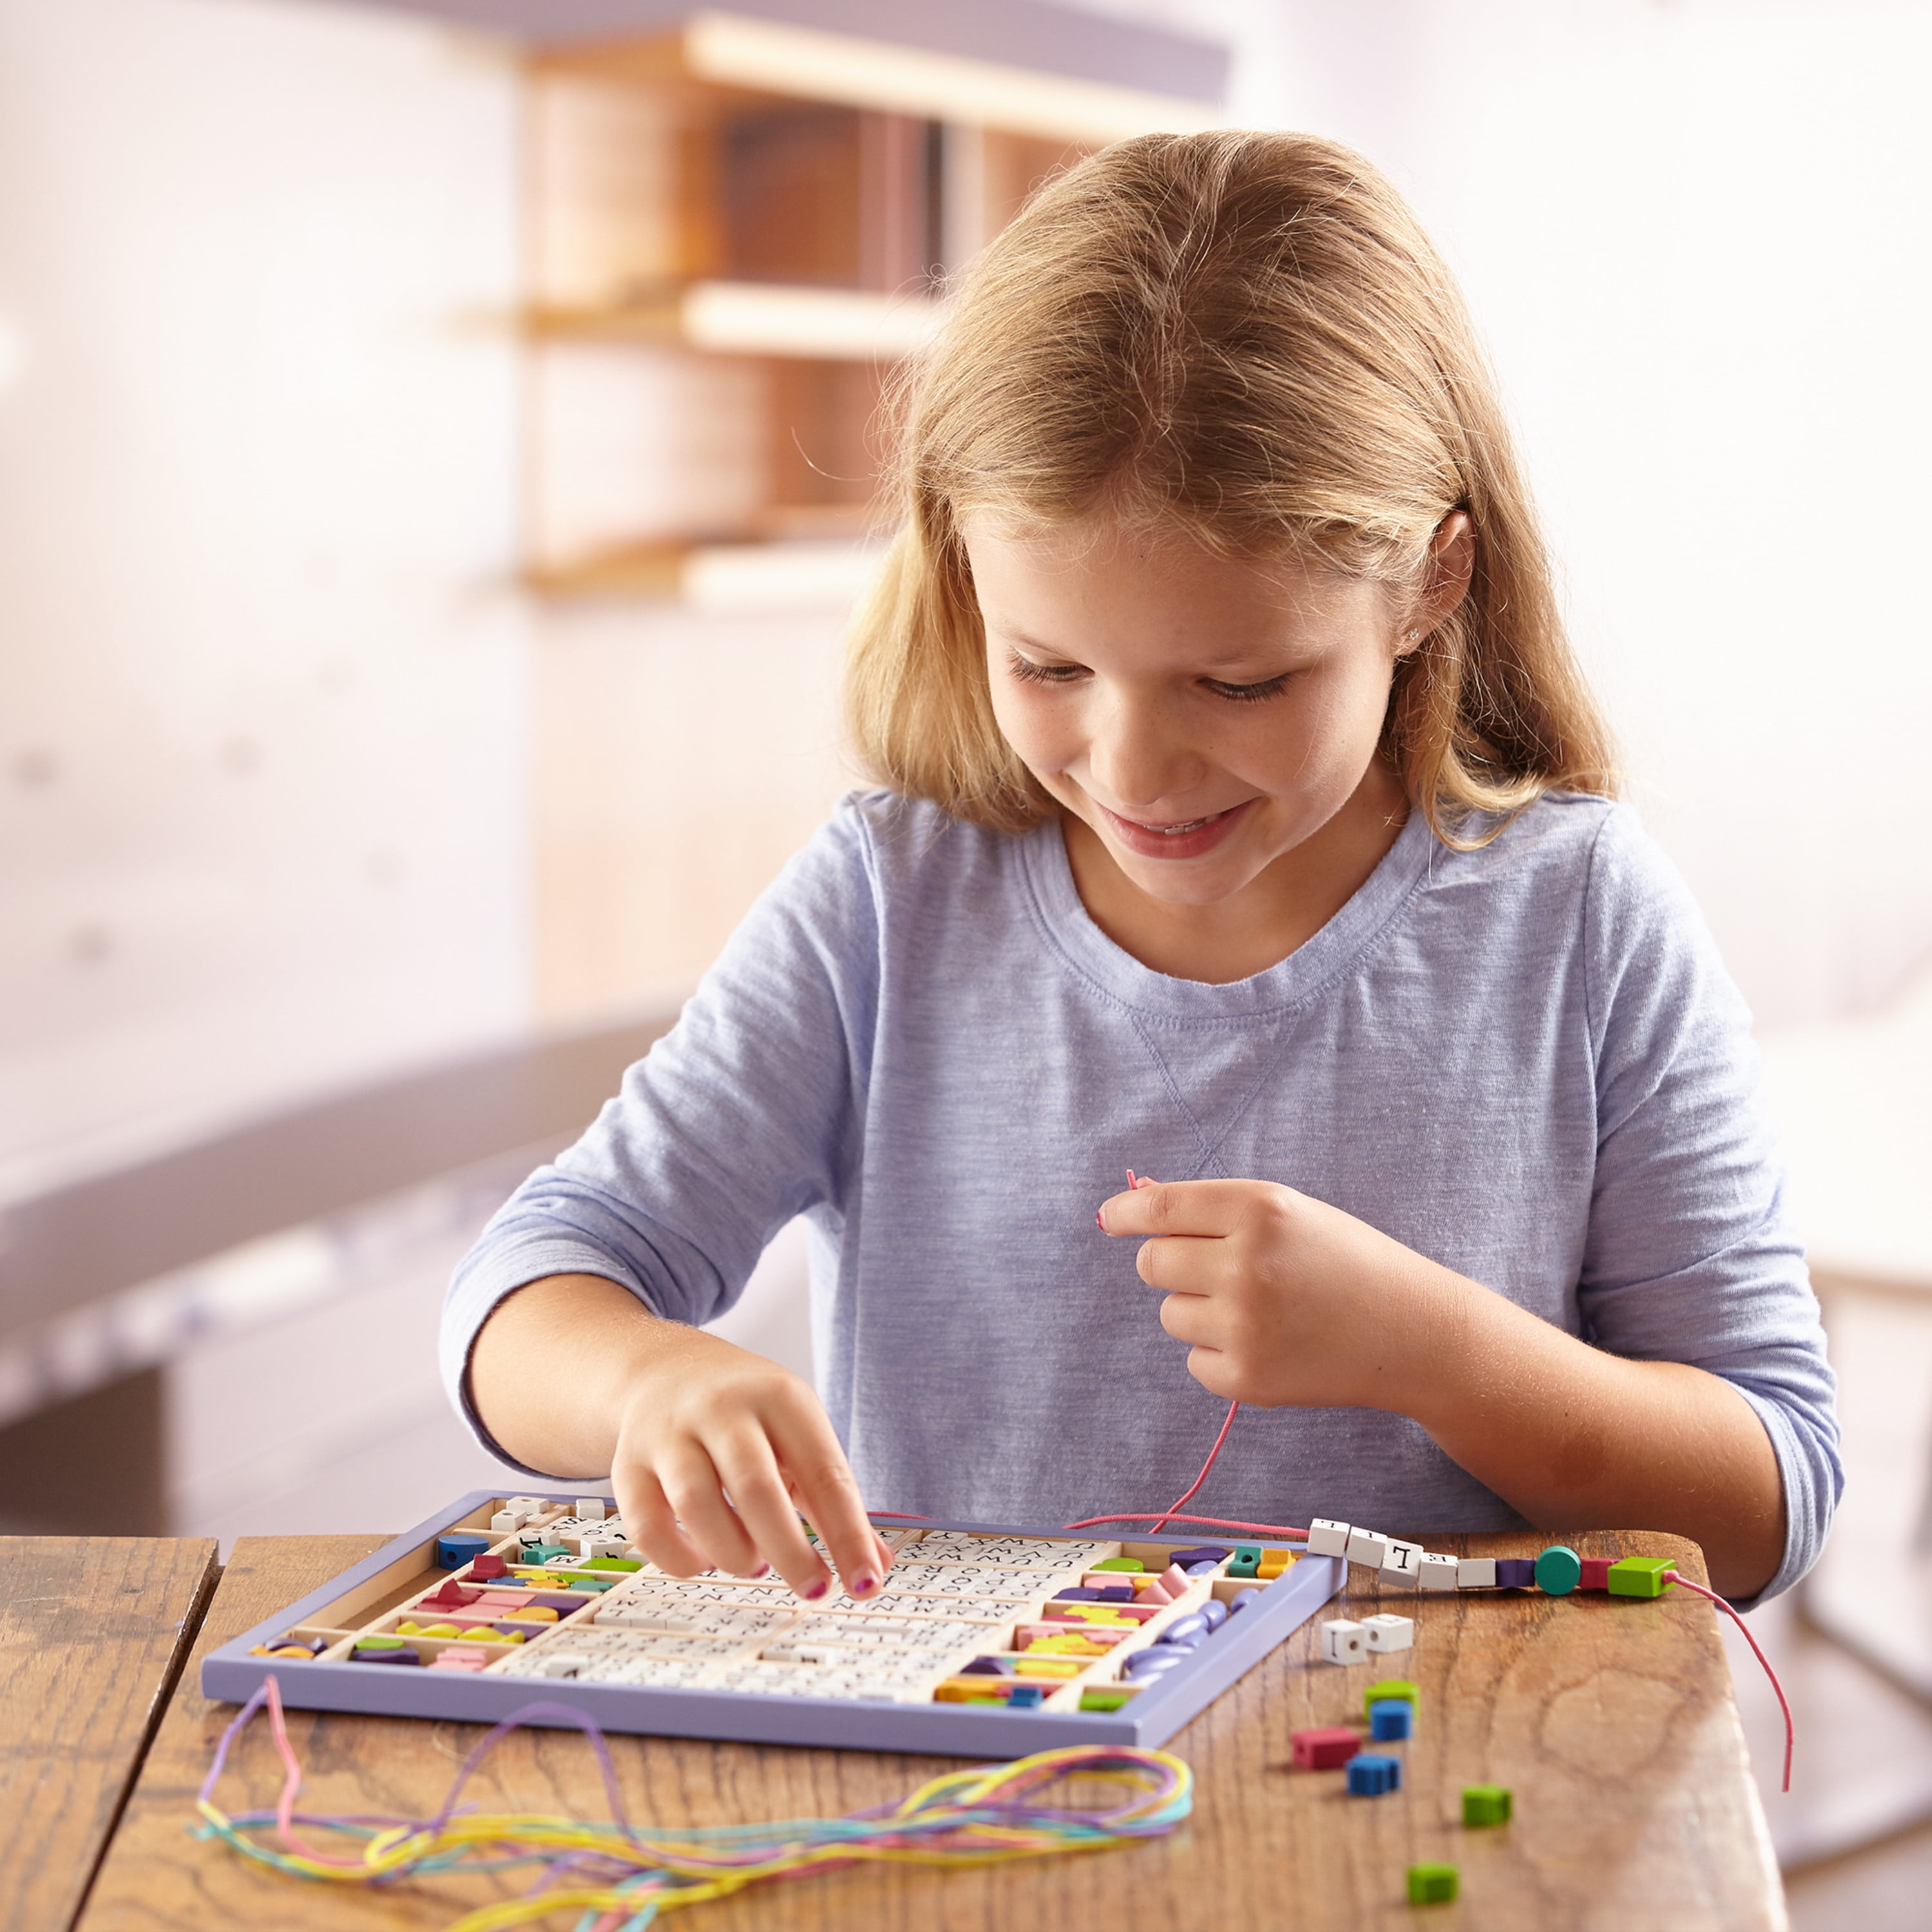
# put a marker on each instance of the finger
(692, 1487)
(1182, 1264)
(652, 1525)
(822, 1479)
(1214, 1372)
(1208, 1207)
(1190, 1318)
(758, 1494)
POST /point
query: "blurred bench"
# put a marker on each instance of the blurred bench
(96, 1278)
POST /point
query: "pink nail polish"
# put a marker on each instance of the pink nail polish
(864, 1584)
(762, 1570)
(813, 1591)
(1098, 1221)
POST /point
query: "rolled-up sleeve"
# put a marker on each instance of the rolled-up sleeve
(747, 1113)
(1690, 1257)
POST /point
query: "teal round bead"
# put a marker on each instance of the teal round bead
(1558, 1570)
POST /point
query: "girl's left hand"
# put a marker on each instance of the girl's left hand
(1285, 1301)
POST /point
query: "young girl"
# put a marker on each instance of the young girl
(1245, 822)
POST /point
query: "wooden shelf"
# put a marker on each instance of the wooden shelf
(755, 319)
(737, 229)
(806, 63)
(750, 574)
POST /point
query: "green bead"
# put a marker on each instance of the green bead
(1133, 1563)
(1640, 1576)
(1485, 1804)
(1389, 1688)
(1431, 1885)
(1558, 1570)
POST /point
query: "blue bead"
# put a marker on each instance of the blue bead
(1391, 1718)
(1370, 1776)
(1024, 1697)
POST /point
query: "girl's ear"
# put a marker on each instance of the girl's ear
(1452, 563)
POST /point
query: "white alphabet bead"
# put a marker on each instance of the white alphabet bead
(1366, 1546)
(506, 1520)
(1327, 1539)
(1400, 1571)
(1343, 1642)
(1390, 1632)
(590, 1509)
(1437, 1572)
(1476, 1573)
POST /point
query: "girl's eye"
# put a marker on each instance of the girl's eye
(1249, 693)
(1027, 672)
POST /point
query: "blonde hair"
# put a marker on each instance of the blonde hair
(1247, 336)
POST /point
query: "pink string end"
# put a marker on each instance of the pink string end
(1131, 1183)
(1783, 1703)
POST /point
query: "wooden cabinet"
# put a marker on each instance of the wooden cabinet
(736, 231)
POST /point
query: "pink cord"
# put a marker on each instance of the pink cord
(1187, 1496)
(1174, 1516)
(291, 1781)
(1783, 1704)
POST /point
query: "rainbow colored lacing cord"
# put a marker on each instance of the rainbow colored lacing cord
(618, 1876)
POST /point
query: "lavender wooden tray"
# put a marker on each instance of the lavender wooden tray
(382, 1591)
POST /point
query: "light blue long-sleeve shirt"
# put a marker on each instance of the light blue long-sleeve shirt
(1525, 1062)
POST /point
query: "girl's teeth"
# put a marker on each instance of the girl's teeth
(1175, 831)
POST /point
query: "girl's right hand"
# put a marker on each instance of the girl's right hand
(718, 1452)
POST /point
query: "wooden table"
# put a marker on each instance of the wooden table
(93, 1631)
(1611, 1720)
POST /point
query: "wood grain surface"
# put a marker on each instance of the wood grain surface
(92, 1632)
(1612, 1720)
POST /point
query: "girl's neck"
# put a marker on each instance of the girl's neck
(1281, 909)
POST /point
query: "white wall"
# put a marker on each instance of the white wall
(1697, 234)
(262, 756)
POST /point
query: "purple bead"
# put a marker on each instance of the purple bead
(1515, 1573)
(1150, 1663)
(1201, 1569)
(1194, 1626)
(1076, 1595)
(1115, 1593)
(982, 1667)
(1213, 1612)
(1242, 1600)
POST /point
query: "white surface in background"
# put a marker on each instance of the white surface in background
(720, 578)
(261, 820)
(1852, 1100)
(755, 319)
(333, 1419)
(1697, 237)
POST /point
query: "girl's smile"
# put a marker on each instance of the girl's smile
(1193, 839)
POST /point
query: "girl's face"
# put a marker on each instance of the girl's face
(1204, 715)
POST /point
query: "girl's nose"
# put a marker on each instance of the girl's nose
(1137, 759)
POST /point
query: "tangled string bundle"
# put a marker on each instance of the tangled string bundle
(618, 1876)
